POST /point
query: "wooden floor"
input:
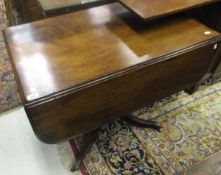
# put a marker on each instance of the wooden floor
(210, 166)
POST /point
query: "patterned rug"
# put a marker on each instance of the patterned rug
(191, 133)
(9, 96)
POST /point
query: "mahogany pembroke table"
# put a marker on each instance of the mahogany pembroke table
(79, 71)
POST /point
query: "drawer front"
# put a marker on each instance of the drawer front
(94, 106)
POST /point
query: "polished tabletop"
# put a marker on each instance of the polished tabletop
(149, 9)
(77, 49)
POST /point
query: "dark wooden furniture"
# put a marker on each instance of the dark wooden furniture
(209, 166)
(149, 9)
(215, 68)
(33, 10)
(58, 7)
(131, 64)
(217, 71)
(80, 71)
(28, 10)
(207, 11)
(209, 15)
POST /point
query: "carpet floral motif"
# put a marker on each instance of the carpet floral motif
(9, 96)
(191, 132)
(191, 129)
(123, 152)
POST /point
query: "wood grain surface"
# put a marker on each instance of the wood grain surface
(63, 117)
(149, 9)
(79, 71)
(209, 166)
(64, 53)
